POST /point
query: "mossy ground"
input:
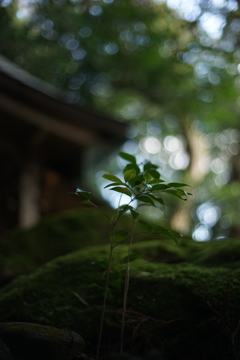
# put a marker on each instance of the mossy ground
(23, 251)
(183, 309)
(29, 341)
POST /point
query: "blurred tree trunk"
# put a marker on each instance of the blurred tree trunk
(29, 193)
(199, 162)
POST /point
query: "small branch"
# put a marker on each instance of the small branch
(102, 211)
(116, 218)
(134, 198)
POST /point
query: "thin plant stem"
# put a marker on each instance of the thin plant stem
(126, 287)
(107, 279)
(132, 199)
(116, 217)
(135, 193)
(104, 300)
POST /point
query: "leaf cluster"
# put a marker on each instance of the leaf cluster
(141, 183)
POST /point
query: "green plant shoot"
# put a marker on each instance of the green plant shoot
(143, 185)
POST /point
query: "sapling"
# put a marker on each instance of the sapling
(144, 187)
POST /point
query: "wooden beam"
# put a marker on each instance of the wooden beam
(82, 137)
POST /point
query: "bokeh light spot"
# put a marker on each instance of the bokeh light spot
(111, 48)
(85, 31)
(202, 233)
(179, 161)
(79, 54)
(95, 10)
(150, 145)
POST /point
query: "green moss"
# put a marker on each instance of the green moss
(23, 251)
(181, 308)
(33, 341)
(218, 253)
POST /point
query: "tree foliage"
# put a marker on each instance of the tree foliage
(156, 68)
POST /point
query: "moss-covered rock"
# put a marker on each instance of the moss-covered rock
(23, 251)
(217, 253)
(185, 310)
(33, 341)
(5, 353)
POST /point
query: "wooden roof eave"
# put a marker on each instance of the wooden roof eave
(47, 123)
(33, 100)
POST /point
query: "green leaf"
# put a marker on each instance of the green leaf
(149, 166)
(128, 157)
(137, 181)
(132, 166)
(145, 225)
(130, 258)
(145, 199)
(86, 202)
(120, 235)
(170, 233)
(112, 178)
(181, 194)
(84, 193)
(156, 181)
(129, 174)
(122, 191)
(147, 177)
(113, 184)
(158, 199)
(172, 236)
(134, 213)
(125, 206)
(159, 229)
(159, 187)
(154, 173)
(177, 185)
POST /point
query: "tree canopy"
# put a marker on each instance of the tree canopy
(171, 70)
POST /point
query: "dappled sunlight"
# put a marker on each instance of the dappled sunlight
(170, 69)
(213, 24)
(208, 214)
(150, 145)
(179, 161)
(202, 233)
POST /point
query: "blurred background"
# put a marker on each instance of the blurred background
(83, 79)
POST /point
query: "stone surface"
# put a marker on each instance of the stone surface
(5, 353)
(33, 341)
(183, 310)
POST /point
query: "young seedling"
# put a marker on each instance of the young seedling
(143, 186)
